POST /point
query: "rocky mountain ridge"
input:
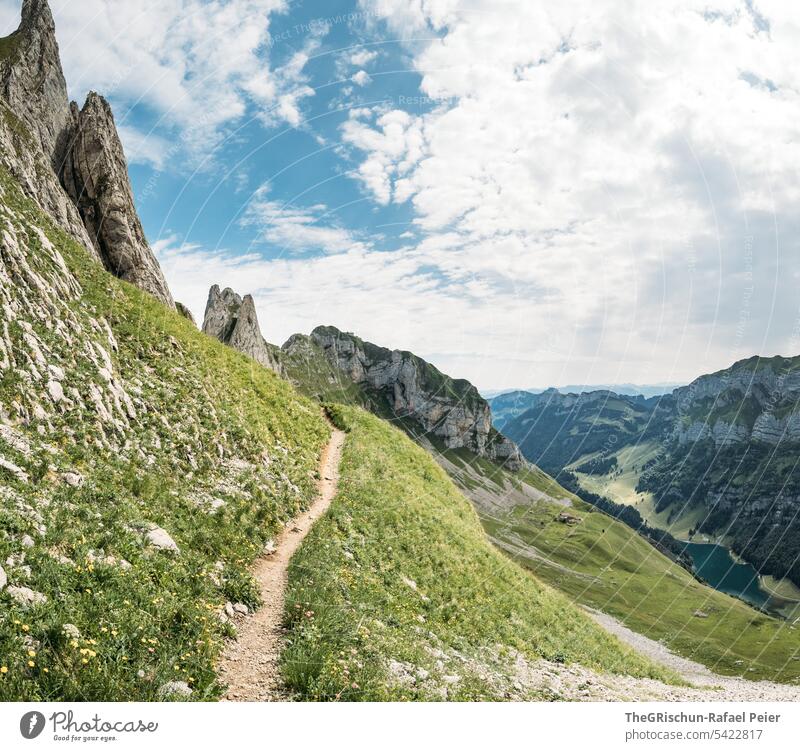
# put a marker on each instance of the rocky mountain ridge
(756, 399)
(332, 365)
(452, 410)
(70, 160)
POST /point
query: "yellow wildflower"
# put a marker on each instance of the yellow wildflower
(3, 670)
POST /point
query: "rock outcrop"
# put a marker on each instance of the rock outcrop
(756, 399)
(409, 387)
(95, 176)
(233, 320)
(70, 161)
(185, 312)
(35, 116)
(33, 82)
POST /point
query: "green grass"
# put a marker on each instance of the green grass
(605, 565)
(8, 46)
(399, 572)
(209, 425)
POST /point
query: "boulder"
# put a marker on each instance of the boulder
(25, 597)
(161, 540)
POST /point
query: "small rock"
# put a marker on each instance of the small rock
(270, 547)
(56, 391)
(3, 578)
(174, 690)
(241, 608)
(25, 597)
(160, 539)
(229, 611)
(73, 479)
(27, 541)
(700, 614)
(60, 558)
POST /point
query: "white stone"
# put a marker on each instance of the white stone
(56, 391)
(73, 479)
(27, 598)
(160, 539)
(3, 578)
(174, 690)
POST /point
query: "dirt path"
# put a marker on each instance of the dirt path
(250, 664)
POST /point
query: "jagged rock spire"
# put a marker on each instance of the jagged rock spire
(82, 148)
(233, 320)
(32, 80)
(95, 176)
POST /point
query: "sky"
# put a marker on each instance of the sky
(524, 193)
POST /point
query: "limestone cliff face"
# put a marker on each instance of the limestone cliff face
(70, 162)
(449, 409)
(32, 80)
(95, 176)
(757, 399)
(35, 116)
(233, 320)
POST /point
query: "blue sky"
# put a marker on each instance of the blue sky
(526, 194)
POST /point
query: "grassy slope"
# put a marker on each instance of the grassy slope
(605, 565)
(399, 577)
(205, 418)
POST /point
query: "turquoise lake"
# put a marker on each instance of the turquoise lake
(716, 566)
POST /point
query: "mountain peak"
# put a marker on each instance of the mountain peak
(32, 81)
(37, 14)
(233, 320)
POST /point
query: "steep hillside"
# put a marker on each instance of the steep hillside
(603, 564)
(409, 601)
(69, 160)
(731, 461)
(142, 467)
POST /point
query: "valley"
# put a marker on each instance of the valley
(157, 481)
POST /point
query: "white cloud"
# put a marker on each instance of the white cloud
(393, 145)
(299, 230)
(625, 170)
(363, 57)
(197, 64)
(362, 78)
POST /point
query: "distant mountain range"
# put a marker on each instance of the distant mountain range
(626, 389)
(718, 457)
